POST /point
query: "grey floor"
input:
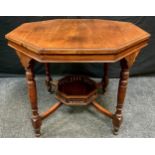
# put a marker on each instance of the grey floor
(139, 111)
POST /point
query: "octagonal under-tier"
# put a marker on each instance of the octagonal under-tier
(77, 40)
(76, 90)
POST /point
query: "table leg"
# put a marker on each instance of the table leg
(36, 120)
(105, 79)
(48, 77)
(118, 117)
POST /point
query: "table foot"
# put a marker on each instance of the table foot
(37, 132)
(117, 121)
(115, 131)
(36, 123)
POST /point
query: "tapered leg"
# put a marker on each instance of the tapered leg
(105, 79)
(118, 117)
(48, 77)
(36, 120)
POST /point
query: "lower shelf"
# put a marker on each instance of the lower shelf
(76, 90)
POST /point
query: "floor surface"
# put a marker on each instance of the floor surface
(139, 111)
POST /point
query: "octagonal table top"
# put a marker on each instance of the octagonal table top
(77, 37)
(74, 36)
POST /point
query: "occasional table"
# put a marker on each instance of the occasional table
(77, 41)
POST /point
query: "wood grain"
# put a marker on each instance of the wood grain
(73, 36)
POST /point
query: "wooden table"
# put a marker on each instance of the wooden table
(77, 41)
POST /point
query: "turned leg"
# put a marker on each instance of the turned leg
(117, 118)
(105, 79)
(36, 120)
(48, 77)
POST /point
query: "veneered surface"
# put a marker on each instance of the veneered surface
(74, 36)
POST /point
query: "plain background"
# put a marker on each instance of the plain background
(10, 65)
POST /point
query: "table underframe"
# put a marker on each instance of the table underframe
(117, 117)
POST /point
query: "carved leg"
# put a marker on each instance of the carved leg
(105, 79)
(36, 120)
(117, 118)
(48, 77)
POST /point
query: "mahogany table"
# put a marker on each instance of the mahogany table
(77, 41)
